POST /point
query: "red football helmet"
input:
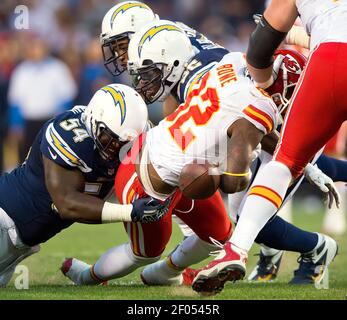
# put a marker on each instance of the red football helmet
(288, 75)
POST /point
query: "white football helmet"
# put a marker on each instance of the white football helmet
(119, 23)
(158, 55)
(115, 115)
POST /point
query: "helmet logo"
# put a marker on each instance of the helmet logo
(118, 98)
(291, 65)
(126, 7)
(153, 31)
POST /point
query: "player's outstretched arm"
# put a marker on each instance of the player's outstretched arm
(271, 30)
(244, 138)
(66, 188)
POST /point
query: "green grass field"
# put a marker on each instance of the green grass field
(89, 242)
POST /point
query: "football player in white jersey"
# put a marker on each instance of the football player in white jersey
(320, 98)
(118, 26)
(225, 102)
(291, 67)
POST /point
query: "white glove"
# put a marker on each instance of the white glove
(256, 152)
(277, 65)
(257, 17)
(316, 177)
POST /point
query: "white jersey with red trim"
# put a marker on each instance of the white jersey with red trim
(324, 20)
(197, 130)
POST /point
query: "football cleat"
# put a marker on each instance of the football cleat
(267, 267)
(313, 266)
(188, 275)
(229, 265)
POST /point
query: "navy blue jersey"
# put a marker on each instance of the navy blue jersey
(23, 193)
(207, 55)
(197, 39)
(197, 67)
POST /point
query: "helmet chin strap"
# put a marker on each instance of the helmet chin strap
(280, 119)
(167, 85)
(281, 110)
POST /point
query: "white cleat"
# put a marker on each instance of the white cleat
(229, 265)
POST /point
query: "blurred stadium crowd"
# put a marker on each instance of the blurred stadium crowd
(57, 61)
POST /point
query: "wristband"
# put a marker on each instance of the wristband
(266, 84)
(112, 212)
(236, 174)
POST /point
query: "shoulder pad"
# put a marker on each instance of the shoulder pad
(66, 142)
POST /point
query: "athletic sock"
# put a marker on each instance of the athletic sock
(263, 200)
(267, 251)
(190, 251)
(282, 235)
(115, 263)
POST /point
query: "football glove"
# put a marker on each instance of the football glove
(316, 177)
(149, 210)
(256, 152)
(257, 17)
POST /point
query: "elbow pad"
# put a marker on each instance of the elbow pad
(262, 44)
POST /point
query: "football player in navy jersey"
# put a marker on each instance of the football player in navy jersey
(124, 19)
(69, 174)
